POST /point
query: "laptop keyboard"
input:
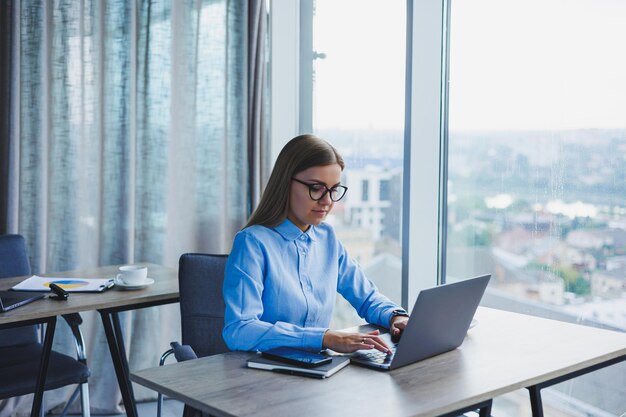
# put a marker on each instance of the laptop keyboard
(377, 356)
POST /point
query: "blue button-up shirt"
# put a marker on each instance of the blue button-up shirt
(280, 286)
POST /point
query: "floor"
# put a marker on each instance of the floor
(171, 408)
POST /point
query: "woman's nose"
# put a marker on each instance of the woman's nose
(326, 200)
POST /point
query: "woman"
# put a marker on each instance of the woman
(286, 265)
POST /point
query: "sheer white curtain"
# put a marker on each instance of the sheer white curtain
(136, 134)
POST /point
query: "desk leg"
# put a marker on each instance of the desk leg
(535, 390)
(43, 366)
(115, 339)
(535, 401)
(485, 410)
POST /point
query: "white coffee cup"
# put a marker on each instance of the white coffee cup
(133, 274)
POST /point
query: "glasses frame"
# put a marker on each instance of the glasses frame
(327, 191)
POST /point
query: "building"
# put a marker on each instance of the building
(373, 202)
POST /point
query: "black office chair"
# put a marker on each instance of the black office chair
(20, 349)
(200, 280)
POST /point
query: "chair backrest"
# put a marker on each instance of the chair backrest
(200, 280)
(13, 256)
(14, 262)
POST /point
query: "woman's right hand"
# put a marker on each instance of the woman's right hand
(351, 342)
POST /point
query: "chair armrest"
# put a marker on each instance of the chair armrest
(74, 320)
(164, 356)
(183, 352)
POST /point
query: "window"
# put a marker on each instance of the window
(357, 104)
(536, 168)
(470, 169)
(365, 190)
(384, 191)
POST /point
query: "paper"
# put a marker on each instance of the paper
(37, 283)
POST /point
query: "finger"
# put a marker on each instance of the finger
(381, 347)
(363, 343)
(378, 344)
(374, 332)
(369, 340)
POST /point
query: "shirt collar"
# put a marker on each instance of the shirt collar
(290, 231)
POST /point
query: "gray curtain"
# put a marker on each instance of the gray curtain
(259, 158)
(136, 132)
(6, 12)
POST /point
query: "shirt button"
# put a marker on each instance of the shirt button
(302, 237)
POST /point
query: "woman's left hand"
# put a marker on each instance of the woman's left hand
(398, 323)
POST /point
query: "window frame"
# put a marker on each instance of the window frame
(284, 73)
(425, 158)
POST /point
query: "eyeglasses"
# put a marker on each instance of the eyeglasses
(317, 191)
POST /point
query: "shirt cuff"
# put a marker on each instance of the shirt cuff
(386, 317)
(313, 338)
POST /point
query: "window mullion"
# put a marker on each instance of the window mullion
(424, 140)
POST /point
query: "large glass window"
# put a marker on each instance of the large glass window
(534, 156)
(358, 106)
(537, 170)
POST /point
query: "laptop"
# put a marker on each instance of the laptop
(439, 322)
(13, 299)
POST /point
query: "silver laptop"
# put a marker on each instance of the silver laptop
(439, 322)
(13, 299)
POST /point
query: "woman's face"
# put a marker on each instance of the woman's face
(304, 211)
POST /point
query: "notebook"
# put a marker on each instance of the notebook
(13, 299)
(439, 322)
(323, 371)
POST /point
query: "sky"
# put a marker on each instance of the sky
(360, 84)
(514, 65)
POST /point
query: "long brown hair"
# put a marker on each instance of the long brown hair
(300, 153)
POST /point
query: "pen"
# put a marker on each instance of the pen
(110, 283)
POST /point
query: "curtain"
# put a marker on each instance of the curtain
(136, 133)
(5, 118)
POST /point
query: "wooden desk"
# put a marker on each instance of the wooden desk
(108, 303)
(505, 352)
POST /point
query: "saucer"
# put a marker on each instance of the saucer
(119, 283)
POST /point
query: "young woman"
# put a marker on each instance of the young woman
(286, 266)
